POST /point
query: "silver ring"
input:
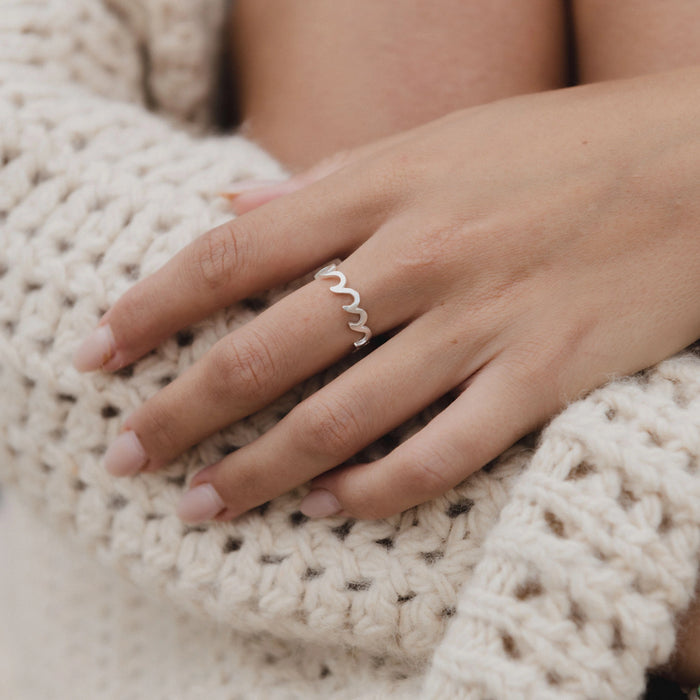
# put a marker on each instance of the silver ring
(340, 288)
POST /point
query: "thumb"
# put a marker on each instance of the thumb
(249, 194)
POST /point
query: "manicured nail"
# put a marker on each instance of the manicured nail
(319, 503)
(200, 503)
(242, 186)
(97, 349)
(125, 455)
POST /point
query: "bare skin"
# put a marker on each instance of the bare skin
(614, 40)
(618, 40)
(339, 85)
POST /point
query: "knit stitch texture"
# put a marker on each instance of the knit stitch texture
(555, 572)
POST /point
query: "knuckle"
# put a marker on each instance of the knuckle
(429, 471)
(221, 255)
(158, 427)
(244, 366)
(427, 250)
(328, 426)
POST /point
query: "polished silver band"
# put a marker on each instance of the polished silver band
(340, 288)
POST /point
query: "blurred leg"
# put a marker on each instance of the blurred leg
(318, 76)
(625, 38)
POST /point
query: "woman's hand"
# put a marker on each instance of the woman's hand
(527, 251)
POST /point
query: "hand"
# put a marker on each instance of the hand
(527, 251)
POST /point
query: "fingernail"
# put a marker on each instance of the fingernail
(96, 350)
(125, 455)
(247, 186)
(200, 503)
(319, 503)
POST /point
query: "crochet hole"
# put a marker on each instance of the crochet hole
(109, 411)
(232, 544)
(312, 573)
(177, 480)
(617, 644)
(385, 542)
(432, 557)
(227, 449)
(254, 303)
(576, 615)
(325, 671)
(405, 598)
(193, 528)
(342, 531)
(509, 645)
(79, 485)
(666, 523)
(580, 471)
(553, 678)
(117, 501)
(125, 372)
(528, 589)
(66, 397)
(273, 558)
(654, 437)
(448, 612)
(133, 272)
(297, 518)
(626, 499)
(184, 338)
(39, 176)
(463, 506)
(554, 524)
(360, 585)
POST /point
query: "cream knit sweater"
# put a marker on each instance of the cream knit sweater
(556, 572)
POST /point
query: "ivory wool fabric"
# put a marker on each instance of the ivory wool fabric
(555, 572)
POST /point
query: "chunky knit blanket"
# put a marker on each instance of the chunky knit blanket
(555, 572)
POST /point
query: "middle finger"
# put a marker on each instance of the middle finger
(383, 390)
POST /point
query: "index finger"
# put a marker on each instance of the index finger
(278, 242)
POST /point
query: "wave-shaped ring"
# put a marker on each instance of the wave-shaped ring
(341, 288)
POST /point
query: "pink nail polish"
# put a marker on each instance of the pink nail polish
(200, 503)
(319, 503)
(125, 455)
(96, 350)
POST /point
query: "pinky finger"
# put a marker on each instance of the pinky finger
(494, 411)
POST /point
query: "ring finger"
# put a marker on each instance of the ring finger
(246, 370)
